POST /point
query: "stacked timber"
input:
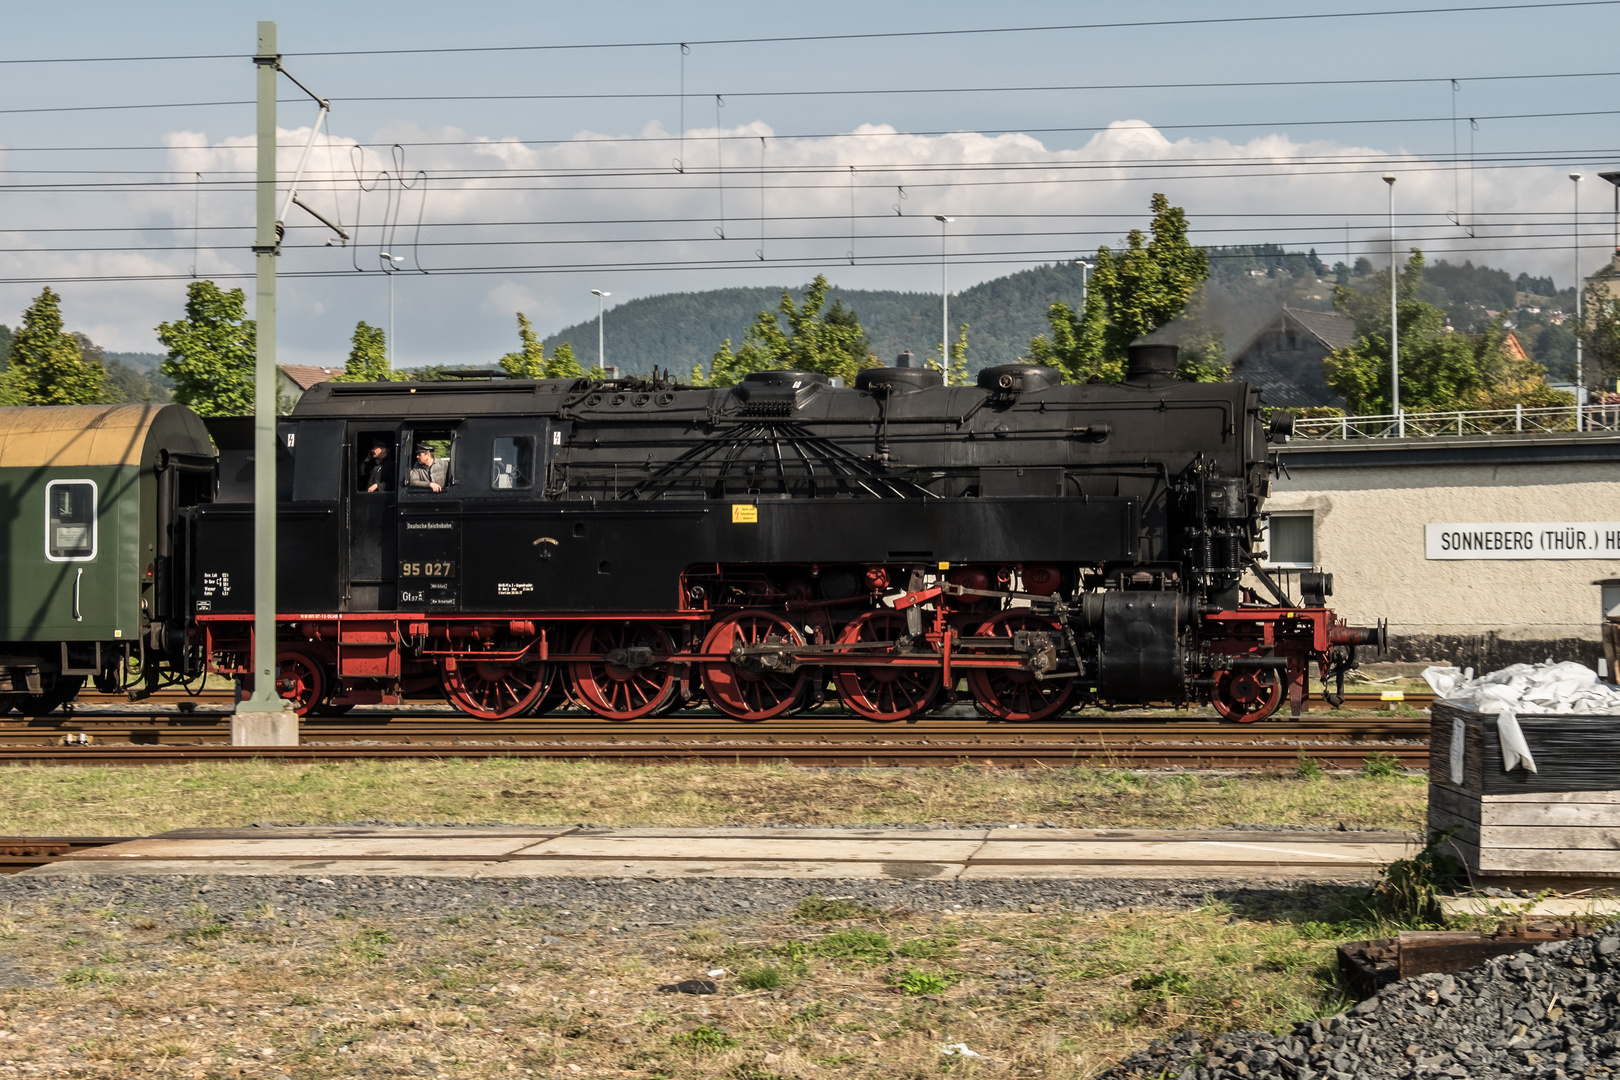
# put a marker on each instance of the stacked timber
(1563, 820)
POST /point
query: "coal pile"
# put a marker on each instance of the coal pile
(1553, 1011)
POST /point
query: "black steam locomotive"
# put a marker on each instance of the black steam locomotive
(631, 544)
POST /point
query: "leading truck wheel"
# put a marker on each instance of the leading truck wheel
(1013, 694)
(495, 689)
(884, 693)
(750, 690)
(632, 679)
(1247, 695)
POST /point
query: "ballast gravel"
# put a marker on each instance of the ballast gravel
(625, 902)
(1553, 1011)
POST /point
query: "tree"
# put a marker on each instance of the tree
(530, 361)
(1076, 346)
(831, 343)
(211, 351)
(562, 364)
(1600, 337)
(1146, 285)
(1440, 370)
(368, 356)
(46, 366)
(1133, 292)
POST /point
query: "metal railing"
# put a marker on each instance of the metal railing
(1557, 419)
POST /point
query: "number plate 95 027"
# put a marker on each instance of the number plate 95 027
(446, 569)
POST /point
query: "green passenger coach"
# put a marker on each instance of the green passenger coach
(91, 576)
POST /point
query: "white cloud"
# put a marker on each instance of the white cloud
(599, 212)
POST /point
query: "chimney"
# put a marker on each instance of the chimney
(1150, 365)
(903, 360)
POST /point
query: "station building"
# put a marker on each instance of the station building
(1479, 551)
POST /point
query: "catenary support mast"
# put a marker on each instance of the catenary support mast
(266, 247)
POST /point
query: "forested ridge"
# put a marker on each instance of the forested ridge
(1247, 285)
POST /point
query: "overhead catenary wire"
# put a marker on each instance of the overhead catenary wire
(992, 258)
(867, 35)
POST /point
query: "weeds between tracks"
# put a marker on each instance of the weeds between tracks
(126, 802)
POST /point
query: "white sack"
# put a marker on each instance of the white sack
(1559, 689)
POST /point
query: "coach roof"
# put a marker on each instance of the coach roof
(71, 436)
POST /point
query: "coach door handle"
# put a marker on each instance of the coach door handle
(77, 578)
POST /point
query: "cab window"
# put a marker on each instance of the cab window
(377, 464)
(512, 463)
(437, 466)
(70, 520)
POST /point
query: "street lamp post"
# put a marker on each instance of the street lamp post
(388, 261)
(1580, 327)
(944, 303)
(1085, 277)
(601, 298)
(1394, 317)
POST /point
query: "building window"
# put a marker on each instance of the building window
(70, 520)
(1291, 539)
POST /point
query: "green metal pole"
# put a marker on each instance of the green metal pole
(266, 246)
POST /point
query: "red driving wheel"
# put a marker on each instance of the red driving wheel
(495, 689)
(884, 693)
(617, 692)
(1247, 695)
(739, 692)
(1013, 694)
(301, 679)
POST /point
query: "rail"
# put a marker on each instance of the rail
(1552, 420)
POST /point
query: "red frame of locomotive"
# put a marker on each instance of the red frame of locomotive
(497, 667)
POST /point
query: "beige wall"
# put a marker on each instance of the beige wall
(1369, 535)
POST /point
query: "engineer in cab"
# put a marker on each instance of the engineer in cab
(427, 471)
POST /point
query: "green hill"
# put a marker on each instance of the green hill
(677, 330)
(1248, 283)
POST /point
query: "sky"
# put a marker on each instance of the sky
(515, 156)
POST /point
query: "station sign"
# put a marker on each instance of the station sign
(1523, 540)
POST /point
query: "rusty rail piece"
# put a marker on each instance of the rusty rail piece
(19, 853)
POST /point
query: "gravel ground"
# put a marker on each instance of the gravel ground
(631, 901)
(1550, 1012)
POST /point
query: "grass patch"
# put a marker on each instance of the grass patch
(1048, 994)
(43, 801)
(915, 981)
(704, 1038)
(817, 908)
(766, 977)
(854, 944)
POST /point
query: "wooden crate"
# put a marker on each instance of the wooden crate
(1563, 820)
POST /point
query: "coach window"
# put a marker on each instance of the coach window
(70, 520)
(512, 462)
(1291, 539)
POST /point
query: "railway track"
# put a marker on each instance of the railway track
(825, 755)
(19, 853)
(168, 729)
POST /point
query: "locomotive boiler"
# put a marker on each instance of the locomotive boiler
(633, 544)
